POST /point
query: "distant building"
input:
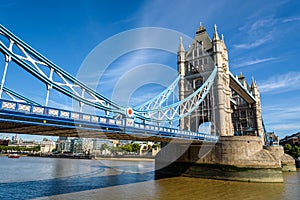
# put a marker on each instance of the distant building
(47, 146)
(97, 143)
(292, 140)
(83, 145)
(65, 145)
(273, 139)
(4, 142)
(27, 143)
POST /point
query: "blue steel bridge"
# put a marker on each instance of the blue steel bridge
(155, 120)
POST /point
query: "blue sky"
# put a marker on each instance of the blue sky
(262, 39)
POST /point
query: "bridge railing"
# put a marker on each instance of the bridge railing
(127, 125)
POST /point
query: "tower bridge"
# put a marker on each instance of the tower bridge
(238, 109)
(208, 94)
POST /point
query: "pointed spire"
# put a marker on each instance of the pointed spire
(222, 36)
(201, 28)
(253, 85)
(254, 88)
(181, 48)
(216, 35)
(241, 76)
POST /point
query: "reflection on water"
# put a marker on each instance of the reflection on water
(49, 178)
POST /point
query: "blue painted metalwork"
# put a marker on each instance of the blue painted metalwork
(31, 64)
(160, 99)
(182, 108)
(242, 86)
(11, 111)
(155, 112)
(152, 111)
(15, 95)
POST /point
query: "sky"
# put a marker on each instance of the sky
(262, 40)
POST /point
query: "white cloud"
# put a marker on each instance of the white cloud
(260, 25)
(284, 129)
(254, 44)
(280, 113)
(282, 119)
(281, 83)
(253, 62)
(291, 19)
(257, 32)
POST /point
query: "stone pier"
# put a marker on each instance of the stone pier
(238, 158)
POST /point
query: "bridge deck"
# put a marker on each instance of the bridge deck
(51, 123)
(241, 90)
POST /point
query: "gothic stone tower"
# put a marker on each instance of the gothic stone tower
(234, 108)
(229, 112)
(195, 66)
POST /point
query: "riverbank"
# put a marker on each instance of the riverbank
(89, 157)
(147, 159)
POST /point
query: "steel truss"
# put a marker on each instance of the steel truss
(33, 62)
(17, 97)
(182, 108)
(154, 110)
(159, 100)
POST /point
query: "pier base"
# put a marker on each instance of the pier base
(238, 158)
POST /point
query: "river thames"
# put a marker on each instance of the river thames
(50, 178)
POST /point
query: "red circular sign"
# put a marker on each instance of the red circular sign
(129, 112)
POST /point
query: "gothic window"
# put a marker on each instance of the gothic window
(200, 62)
(250, 112)
(197, 83)
(243, 113)
(244, 124)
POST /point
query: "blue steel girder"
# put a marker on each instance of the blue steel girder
(24, 118)
(182, 108)
(160, 99)
(32, 61)
(17, 97)
(236, 85)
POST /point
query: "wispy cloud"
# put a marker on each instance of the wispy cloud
(258, 26)
(282, 119)
(281, 83)
(284, 129)
(283, 112)
(253, 62)
(291, 19)
(254, 44)
(257, 32)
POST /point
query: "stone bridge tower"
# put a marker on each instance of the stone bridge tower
(234, 108)
(195, 65)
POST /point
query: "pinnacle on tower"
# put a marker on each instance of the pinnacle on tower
(253, 84)
(181, 48)
(241, 76)
(201, 28)
(216, 35)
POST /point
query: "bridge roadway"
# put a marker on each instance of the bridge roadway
(24, 118)
(236, 85)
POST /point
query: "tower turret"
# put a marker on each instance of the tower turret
(223, 91)
(181, 58)
(181, 68)
(257, 108)
(216, 35)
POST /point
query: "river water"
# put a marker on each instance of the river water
(50, 178)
